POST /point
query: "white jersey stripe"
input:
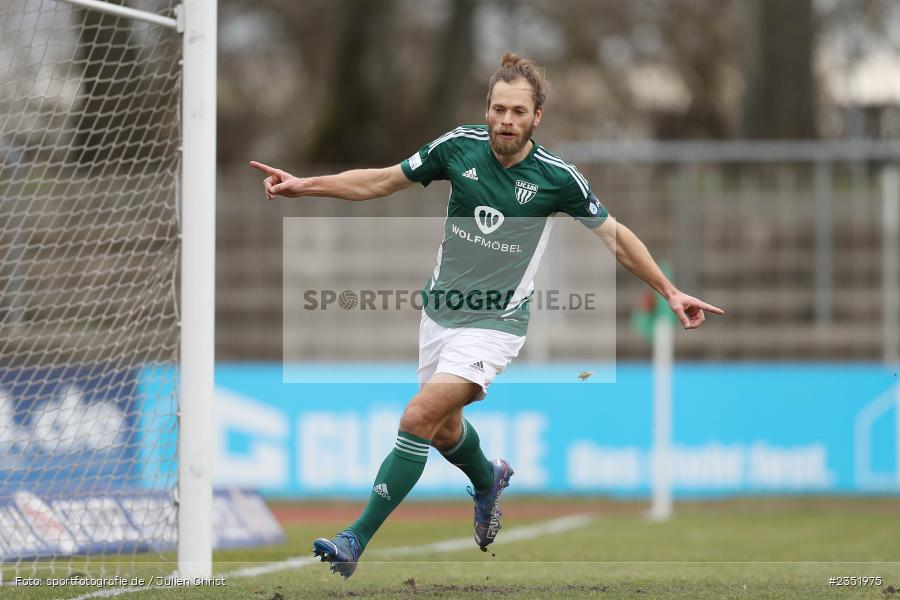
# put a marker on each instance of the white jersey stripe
(525, 298)
(582, 184)
(577, 181)
(437, 268)
(460, 130)
(474, 134)
(574, 169)
(441, 137)
(440, 252)
(526, 284)
(458, 135)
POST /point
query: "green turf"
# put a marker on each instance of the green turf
(726, 550)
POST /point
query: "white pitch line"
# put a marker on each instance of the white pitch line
(290, 563)
(516, 534)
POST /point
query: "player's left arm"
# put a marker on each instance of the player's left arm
(634, 256)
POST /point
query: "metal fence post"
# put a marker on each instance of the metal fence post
(890, 260)
(823, 243)
(687, 228)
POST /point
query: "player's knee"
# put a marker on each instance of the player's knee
(424, 414)
(419, 420)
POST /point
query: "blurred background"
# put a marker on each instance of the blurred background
(662, 105)
(753, 145)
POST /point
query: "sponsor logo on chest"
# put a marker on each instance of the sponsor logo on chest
(488, 219)
(525, 191)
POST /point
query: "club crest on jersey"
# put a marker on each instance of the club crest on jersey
(525, 191)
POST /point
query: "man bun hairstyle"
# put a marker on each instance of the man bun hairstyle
(512, 67)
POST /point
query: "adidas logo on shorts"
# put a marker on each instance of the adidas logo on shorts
(382, 490)
(471, 174)
(478, 366)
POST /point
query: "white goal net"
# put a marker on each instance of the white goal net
(89, 249)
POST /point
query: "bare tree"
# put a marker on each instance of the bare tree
(352, 127)
(694, 42)
(456, 56)
(780, 99)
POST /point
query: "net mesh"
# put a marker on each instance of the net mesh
(89, 162)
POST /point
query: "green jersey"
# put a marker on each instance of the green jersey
(497, 227)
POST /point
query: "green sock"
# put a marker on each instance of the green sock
(398, 474)
(467, 455)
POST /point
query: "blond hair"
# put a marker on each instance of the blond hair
(513, 67)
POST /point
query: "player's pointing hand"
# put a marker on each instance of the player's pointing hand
(278, 182)
(689, 310)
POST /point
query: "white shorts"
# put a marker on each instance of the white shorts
(472, 353)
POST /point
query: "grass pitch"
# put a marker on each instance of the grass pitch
(741, 549)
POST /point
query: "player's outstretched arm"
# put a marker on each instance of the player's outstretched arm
(358, 184)
(634, 256)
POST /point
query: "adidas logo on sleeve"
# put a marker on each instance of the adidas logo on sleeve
(471, 174)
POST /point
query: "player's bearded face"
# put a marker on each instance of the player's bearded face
(507, 139)
(511, 116)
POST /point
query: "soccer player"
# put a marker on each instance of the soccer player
(505, 189)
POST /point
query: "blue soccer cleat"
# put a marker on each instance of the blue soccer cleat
(342, 552)
(487, 504)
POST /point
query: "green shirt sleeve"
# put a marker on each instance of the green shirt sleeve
(429, 163)
(579, 201)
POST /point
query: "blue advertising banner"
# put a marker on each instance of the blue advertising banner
(36, 524)
(737, 429)
(67, 427)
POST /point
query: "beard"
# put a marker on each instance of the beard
(504, 147)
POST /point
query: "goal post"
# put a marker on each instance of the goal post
(107, 249)
(198, 209)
